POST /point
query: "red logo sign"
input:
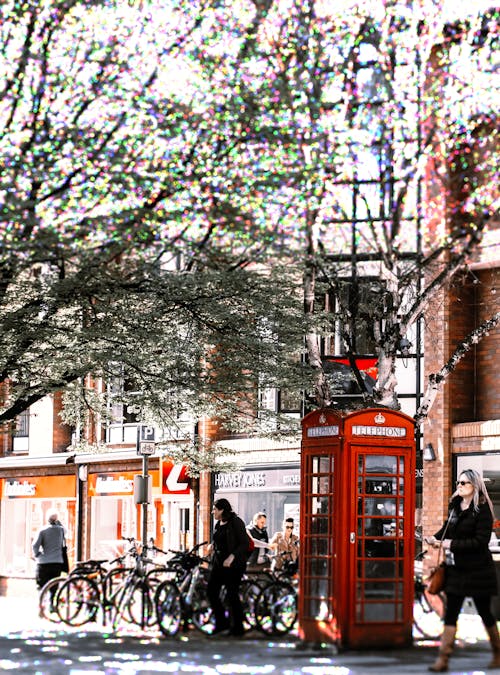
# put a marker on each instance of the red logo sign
(174, 479)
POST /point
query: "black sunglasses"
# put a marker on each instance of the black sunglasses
(464, 482)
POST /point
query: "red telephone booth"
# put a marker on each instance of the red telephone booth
(364, 476)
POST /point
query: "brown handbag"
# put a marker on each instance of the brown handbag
(437, 575)
(436, 579)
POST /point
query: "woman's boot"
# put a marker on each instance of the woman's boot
(495, 645)
(445, 649)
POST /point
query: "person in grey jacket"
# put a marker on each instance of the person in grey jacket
(48, 550)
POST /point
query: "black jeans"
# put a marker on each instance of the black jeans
(230, 578)
(47, 571)
(454, 605)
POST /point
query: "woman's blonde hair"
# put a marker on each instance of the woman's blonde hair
(480, 495)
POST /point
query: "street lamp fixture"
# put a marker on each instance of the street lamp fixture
(429, 454)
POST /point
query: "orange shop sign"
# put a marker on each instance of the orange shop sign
(110, 484)
(41, 487)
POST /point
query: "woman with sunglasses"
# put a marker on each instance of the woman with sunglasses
(285, 545)
(470, 570)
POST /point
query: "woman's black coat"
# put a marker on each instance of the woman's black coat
(473, 573)
(228, 538)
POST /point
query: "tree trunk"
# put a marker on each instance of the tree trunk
(384, 392)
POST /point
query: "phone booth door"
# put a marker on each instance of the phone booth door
(381, 528)
(319, 514)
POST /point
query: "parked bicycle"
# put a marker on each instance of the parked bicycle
(96, 587)
(182, 599)
(274, 608)
(89, 587)
(134, 600)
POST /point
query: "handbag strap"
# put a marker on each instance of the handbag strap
(443, 536)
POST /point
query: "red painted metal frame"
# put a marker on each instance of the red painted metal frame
(338, 599)
(321, 446)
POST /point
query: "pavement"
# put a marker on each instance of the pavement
(37, 646)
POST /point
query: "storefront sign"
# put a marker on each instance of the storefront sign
(16, 488)
(315, 432)
(393, 432)
(255, 480)
(45, 487)
(174, 478)
(107, 485)
(122, 483)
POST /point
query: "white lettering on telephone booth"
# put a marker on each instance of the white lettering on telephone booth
(314, 432)
(361, 430)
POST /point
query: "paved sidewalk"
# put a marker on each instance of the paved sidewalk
(33, 645)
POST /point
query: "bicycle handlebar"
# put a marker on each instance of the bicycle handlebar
(190, 552)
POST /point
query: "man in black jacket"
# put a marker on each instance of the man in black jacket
(258, 531)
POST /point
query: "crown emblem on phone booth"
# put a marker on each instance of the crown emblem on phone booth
(322, 418)
(379, 418)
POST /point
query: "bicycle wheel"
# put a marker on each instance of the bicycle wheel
(276, 608)
(249, 592)
(134, 602)
(141, 607)
(426, 625)
(201, 611)
(47, 603)
(78, 601)
(435, 603)
(168, 607)
(112, 582)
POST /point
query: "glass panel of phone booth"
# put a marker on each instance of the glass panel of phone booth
(317, 545)
(380, 542)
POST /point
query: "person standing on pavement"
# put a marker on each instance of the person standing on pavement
(285, 545)
(228, 563)
(258, 531)
(470, 570)
(48, 550)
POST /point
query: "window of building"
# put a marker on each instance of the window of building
(124, 414)
(20, 435)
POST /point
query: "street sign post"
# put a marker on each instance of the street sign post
(145, 447)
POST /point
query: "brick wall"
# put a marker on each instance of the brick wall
(471, 393)
(488, 349)
(437, 474)
(61, 433)
(463, 321)
(209, 430)
(5, 429)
